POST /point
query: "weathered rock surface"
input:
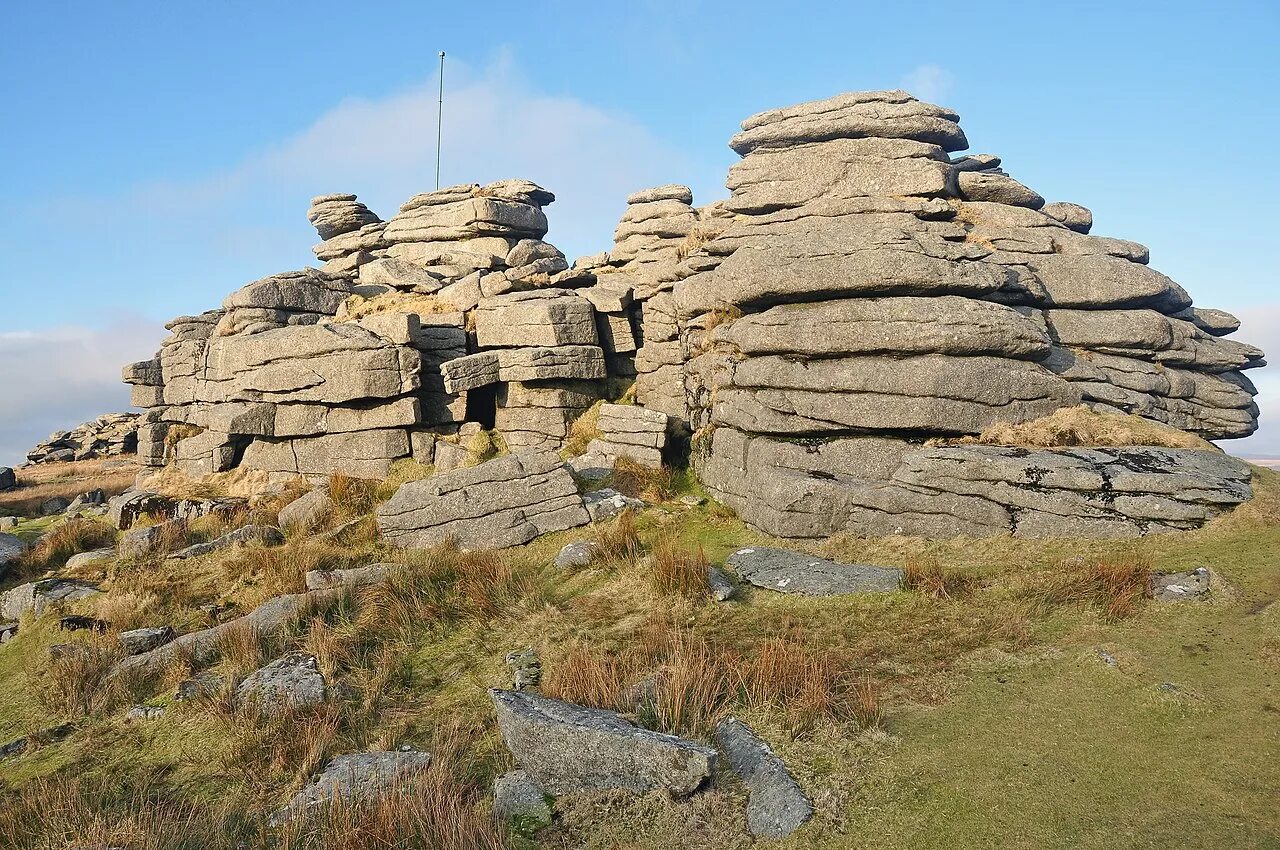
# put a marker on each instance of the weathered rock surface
(776, 806)
(293, 681)
(264, 535)
(1178, 587)
(37, 596)
(7, 479)
(516, 797)
(503, 502)
(306, 512)
(11, 549)
(567, 748)
(796, 572)
(137, 641)
(356, 778)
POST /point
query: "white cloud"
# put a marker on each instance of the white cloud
(1260, 326)
(54, 379)
(930, 83)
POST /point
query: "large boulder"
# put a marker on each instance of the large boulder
(503, 502)
(7, 479)
(567, 748)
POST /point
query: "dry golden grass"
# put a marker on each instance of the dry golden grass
(358, 306)
(618, 541)
(76, 683)
(64, 540)
(37, 484)
(1115, 584)
(929, 576)
(642, 482)
(438, 809)
(70, 811)
(676, 570)
(700, 234)
(402, 472)
(1080, 426)
(583, 430)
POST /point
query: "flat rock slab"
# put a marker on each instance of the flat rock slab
(776, 806)
(356, 778)
(566, 748)
(516, 797)
(267, 535)
(796, 572)
(507, 501)
(1178, 587)
(38, 595)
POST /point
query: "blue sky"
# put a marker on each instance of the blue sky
(157, 156)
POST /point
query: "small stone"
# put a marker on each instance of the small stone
(776, 807)
(578, 554)
(693, 501)
(1179, 587)
(307, 511)
(517, 799)
(201, 685)
(138, 641)
(719, 584)
(1107, 658)
(145, 712)
(356, 778)
(607, 503)
(526, 668)
(56, 505)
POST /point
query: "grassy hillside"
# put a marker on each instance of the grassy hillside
(973, 709)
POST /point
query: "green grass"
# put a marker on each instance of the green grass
(1003, 726)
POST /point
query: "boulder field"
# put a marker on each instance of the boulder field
(814, 346)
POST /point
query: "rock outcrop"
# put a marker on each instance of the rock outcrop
(864, 293)
(107, 436)
(872, 292)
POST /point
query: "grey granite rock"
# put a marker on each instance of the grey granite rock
(776, 806)
(137, 641)
(293, 681)
(796, 572)
(37, 596)
(503, 502)
(518, 799)
(567, 748)
(578, 554)
(1178, 587)
(356, 778)
(263, 535)
(306, 512)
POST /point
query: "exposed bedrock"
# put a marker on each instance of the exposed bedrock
(876, 486)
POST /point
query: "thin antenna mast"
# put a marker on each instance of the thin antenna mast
(439, 119)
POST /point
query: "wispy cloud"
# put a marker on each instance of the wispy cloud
(929, 82)
(53, 379)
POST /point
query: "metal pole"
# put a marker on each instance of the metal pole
(439, 119)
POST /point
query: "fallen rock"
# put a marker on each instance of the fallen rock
(142, 541)
(776, 807)
(8, 523)
(566, 748)
(94, 556)
(56, 505)
(198, 686)
(145, 712)
(577, 554)
(796, 572)
(7, 479)
(136, 641)
(37, 596)
(353, 577)
(307, 511)
(293, 681)
(265, 535)
(507, 501)
(517, 798)
(11, 549)
(8, 631)
(719, 584)
(607, 503)
(356, 778)
(1178, 587)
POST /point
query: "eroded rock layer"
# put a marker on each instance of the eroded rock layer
(868, 291)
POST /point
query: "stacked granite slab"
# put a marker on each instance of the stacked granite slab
(457, 312)
(872, 292)
(106, 436)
